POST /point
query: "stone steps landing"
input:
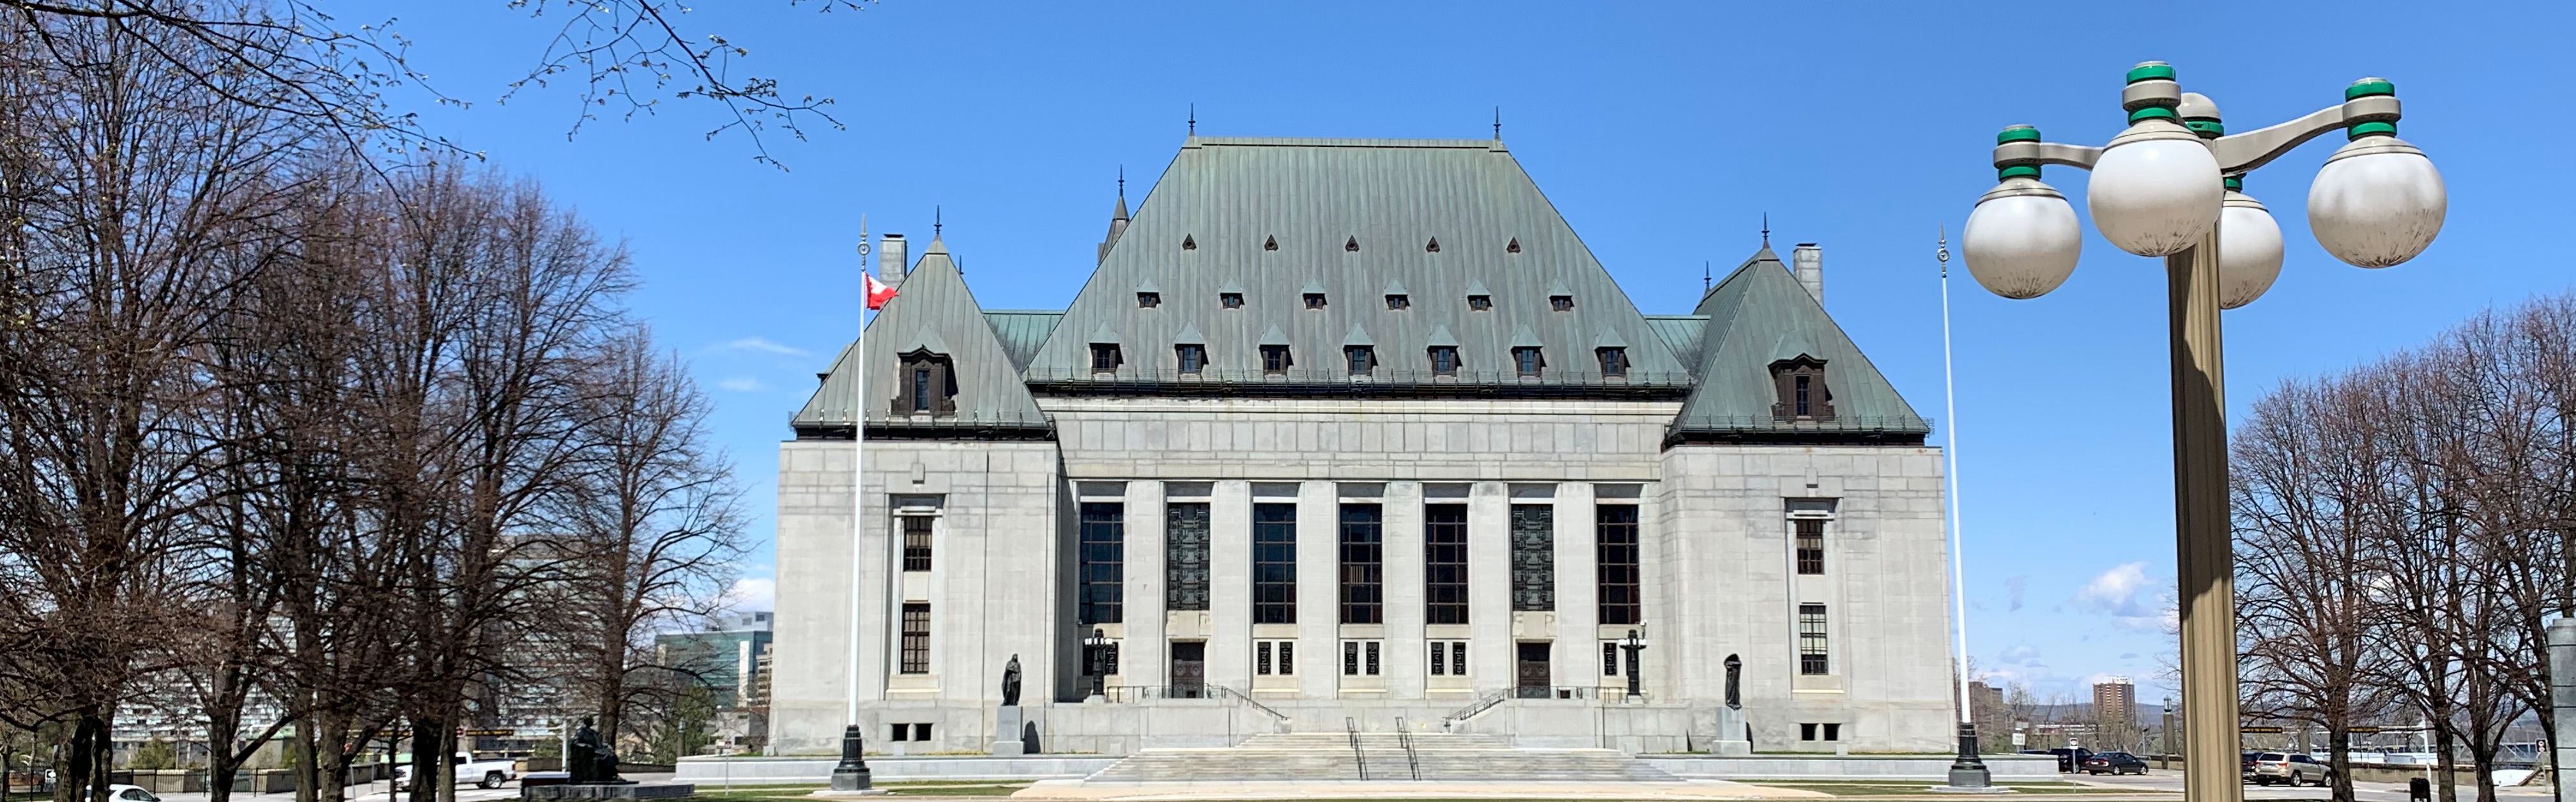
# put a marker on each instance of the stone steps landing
(1327, 756)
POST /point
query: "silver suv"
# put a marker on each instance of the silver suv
(2292, 768)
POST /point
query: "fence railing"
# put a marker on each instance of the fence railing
(1404, 738)
(1482, 704)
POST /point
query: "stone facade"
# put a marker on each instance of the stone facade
(1786, 514)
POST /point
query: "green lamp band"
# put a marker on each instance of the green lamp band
(2152, 112)
(2359, 130)
(2149, 72)
(2018, 171)
(2018, 133)
(2367, 87)
(2233, 182)
(2203, 127)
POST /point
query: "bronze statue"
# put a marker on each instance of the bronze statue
(1011, 682)
(1734, 682)
(581, 757)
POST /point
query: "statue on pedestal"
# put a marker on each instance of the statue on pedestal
(1011, 682)
(588, 760)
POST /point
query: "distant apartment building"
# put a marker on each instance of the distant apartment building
(728, 655)
(2115, 706)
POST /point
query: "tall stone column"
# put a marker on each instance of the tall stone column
(1142, 659)
(1403, 571)
(1230, 584)
(1319, 567)
(2562, 703)
(1578, 610)
(1489, 585)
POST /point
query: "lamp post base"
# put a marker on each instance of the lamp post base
(1968, 773)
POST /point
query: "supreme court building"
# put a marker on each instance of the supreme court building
(1342, 432)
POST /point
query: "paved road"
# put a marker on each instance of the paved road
(375, 792)
(2365, 791)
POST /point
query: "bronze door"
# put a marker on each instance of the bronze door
(1530, 672)
(1189, 669)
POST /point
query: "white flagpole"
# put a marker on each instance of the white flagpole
(858, 468)
(1958, 540)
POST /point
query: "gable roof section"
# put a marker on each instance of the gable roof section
(1022, 331)
(1681, 333)
(1760, 315)
(1231, 196)
(934, 312)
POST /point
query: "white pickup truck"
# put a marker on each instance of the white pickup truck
(483, 773)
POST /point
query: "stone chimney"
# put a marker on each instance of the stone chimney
(891, 260)
(1809, 266)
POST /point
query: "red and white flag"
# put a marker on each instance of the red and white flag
(878, 292)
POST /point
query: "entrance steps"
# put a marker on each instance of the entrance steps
(1327, 756)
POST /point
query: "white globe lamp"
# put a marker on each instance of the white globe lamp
(2155, 189)
(2378, 201)
(2249, 249)
(2023, 239)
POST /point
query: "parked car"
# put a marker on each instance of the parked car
(2071, 760)
(2295, 769)
(482, 773)
(2248, 772)
(127, 793)
(2114, 764)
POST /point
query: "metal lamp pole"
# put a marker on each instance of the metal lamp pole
(2168, 186)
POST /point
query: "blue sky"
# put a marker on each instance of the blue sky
(1663, 131)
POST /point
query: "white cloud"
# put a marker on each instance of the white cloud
(2126, 594)
(2024, 654)
(742, 384)
(2014, 586)
(752, 593)
(766, 344)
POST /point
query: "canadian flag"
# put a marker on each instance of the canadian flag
(878, 292)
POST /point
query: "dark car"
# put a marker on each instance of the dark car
(2114, 763)
(2248, 764)
(2071, 760)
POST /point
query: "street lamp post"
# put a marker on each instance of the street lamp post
(1095, 657)
(2170, 186)
(1634, 646)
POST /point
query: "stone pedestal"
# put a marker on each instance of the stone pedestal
(1732, 739)
(622, 790)
(1007, 721)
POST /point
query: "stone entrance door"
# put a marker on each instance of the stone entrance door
(1530, 670)
(1189, 669)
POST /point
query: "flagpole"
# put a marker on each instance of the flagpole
(858, 469)
(1969, 771)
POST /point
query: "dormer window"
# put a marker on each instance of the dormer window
(1363, 359)
(1444, 360)
(1315, 301)
(1614, 361)
(1148, 300)
(1527, 359)
(1104, 357)
(1803, 393)
(928, 385)
(1191, 357)
(1274, 360)
(1480, 303)
(1399, 302)
(1561, 303)
(1230, 300)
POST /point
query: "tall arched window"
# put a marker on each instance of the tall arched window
(926, 384)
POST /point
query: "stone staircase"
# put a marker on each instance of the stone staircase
(1326, 756)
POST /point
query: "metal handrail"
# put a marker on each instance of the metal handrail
(1247, 699)
(1404, 738)
(1358, 757)
(1482, 704)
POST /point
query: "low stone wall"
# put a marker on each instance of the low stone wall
(718, 771)
(2005, 768)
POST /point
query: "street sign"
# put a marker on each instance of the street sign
(491, 733)
(2362, 730)
(2259, 730)
(2019, 739)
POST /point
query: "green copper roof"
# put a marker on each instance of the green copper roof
(1758, 316)
(1230, 197)
(1022, 331)
(934, 313)
(1681, 333)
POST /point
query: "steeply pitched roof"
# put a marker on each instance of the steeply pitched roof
(1021, 331)
(936, 313)
(1682, 333)
(1760, 315)
(1231, 196)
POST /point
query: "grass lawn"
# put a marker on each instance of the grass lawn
(1924, 788)
(769, 793)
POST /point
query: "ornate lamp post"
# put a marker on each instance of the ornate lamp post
(2171, 186)
(1633, 646)
(1094, 655)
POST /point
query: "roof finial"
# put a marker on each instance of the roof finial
(1122, 183)
(1498, 123)
(1766, 229)
(1194, 119)
(1706, 278)
(935, 222)
(1944, 253)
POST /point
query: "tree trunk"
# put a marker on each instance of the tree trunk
(2445, 780)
